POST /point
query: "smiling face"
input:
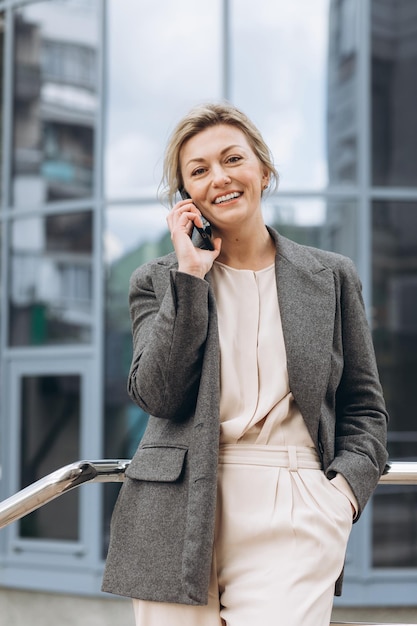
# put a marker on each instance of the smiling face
(223, 175)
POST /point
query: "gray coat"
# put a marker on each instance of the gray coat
(163, 522)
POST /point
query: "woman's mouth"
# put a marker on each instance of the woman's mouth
(227, 197)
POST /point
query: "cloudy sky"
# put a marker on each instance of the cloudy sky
(166, 56)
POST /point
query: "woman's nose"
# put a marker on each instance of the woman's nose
(220, 177)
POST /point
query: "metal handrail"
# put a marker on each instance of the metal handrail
(107, 471)
(57, 483)
(400, 473)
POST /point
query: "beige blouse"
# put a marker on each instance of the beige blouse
(256, 404)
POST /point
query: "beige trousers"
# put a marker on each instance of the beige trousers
(281, 535)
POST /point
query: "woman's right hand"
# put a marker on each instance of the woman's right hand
(191, 260)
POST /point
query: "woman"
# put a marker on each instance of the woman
(268, 426)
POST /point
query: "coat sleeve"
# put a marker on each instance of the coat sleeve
(169, 334)
(361, 416)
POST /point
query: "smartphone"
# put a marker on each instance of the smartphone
(205, 232)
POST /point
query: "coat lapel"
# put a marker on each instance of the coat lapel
(306, 295)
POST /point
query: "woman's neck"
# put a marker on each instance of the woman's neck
(253, 251)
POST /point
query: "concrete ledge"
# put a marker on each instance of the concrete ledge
(398, 616)
(20, 608)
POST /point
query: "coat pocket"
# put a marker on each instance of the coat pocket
(157, 463)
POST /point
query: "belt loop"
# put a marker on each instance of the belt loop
(292, 458)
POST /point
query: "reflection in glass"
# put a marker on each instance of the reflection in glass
(2, 27)
(55, 101)
(1, 273)
(394, 541)
(50, 431)
(289, 65)
(394, 92)
(394, 263)
(51, 287)
(133, 236)
(2, 303)
(326, 224)
(342, 104)
(164, 57)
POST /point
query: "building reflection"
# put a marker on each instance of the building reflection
(55, 100)
(394, 92)
(55, 104)
(394, 264)
(342, 103)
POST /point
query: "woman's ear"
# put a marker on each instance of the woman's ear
(265, 179)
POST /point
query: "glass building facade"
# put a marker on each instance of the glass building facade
(89, 93)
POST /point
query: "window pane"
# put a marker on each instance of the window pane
(293, 71)
(2, 306)
(394, 92)
(55, 101)
(50, 431)
(2, 302)
(394, 515)
(163, 58)
(394, 255)
(329, 225)
(51, 282)
(133, 236)
(2, 26)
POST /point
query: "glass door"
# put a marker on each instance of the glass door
(49, 408)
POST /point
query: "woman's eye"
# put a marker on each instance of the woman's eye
(233, 159)
(198, 171)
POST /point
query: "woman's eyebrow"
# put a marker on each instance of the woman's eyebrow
(202, 159)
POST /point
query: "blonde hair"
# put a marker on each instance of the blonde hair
(198, 119)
